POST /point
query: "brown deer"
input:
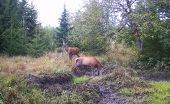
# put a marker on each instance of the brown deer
(89, 61)
(71, 50)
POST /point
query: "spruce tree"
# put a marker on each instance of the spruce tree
(18, 21)
(63, 29)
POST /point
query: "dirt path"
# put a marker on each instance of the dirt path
(109, 95)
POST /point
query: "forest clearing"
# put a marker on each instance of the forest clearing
(51, 79)
(105, 52)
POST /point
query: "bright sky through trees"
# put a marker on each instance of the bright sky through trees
(49, 11)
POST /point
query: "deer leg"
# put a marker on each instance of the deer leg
(70, 56)
(93, 72)
(98, 72)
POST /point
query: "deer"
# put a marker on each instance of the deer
(71, 50)
(89, 61)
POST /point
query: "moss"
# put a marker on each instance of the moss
(68, 97)
(161, 93)
(157, 93)
(81, 79)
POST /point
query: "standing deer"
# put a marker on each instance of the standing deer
(89, 61)
(71, 50)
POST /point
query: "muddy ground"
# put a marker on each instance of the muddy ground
(152, 75)
(105, 93)
(100, 92)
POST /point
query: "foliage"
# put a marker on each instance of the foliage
(20, 32)
(63, 29)
(155, 31)
(42, 42)
(13, 21)
(88, 32)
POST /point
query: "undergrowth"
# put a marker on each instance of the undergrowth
(14, 91)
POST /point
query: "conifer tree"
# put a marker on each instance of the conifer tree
(18, 21)
(63, 29)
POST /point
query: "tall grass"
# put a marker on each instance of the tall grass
(119, 55)
(49, 63)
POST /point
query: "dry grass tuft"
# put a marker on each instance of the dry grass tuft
(120, 55)
(122, 52)
(49, 63)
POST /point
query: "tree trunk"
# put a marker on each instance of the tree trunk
(139, 43)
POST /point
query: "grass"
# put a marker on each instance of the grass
(49, 63)
(15, 90)
(157, 93)
(120, 55)
(161, 93)
(81, 79)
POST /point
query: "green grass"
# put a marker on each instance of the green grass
(81, 79)
(161, 94)
(158, 92)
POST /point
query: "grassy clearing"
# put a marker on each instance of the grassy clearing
(13, 87)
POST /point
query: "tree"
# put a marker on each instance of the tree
(17, 26)
(88, 29)
(11, 29)
(122, 12)
(29, 18)
(155, 30)
(63, 29)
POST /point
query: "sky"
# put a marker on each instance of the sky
(49, 11)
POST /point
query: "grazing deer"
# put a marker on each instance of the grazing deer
(71, 50)
(88, 61)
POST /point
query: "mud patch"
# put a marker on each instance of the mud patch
(153, 75)
(47, 80)
(109, 95)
